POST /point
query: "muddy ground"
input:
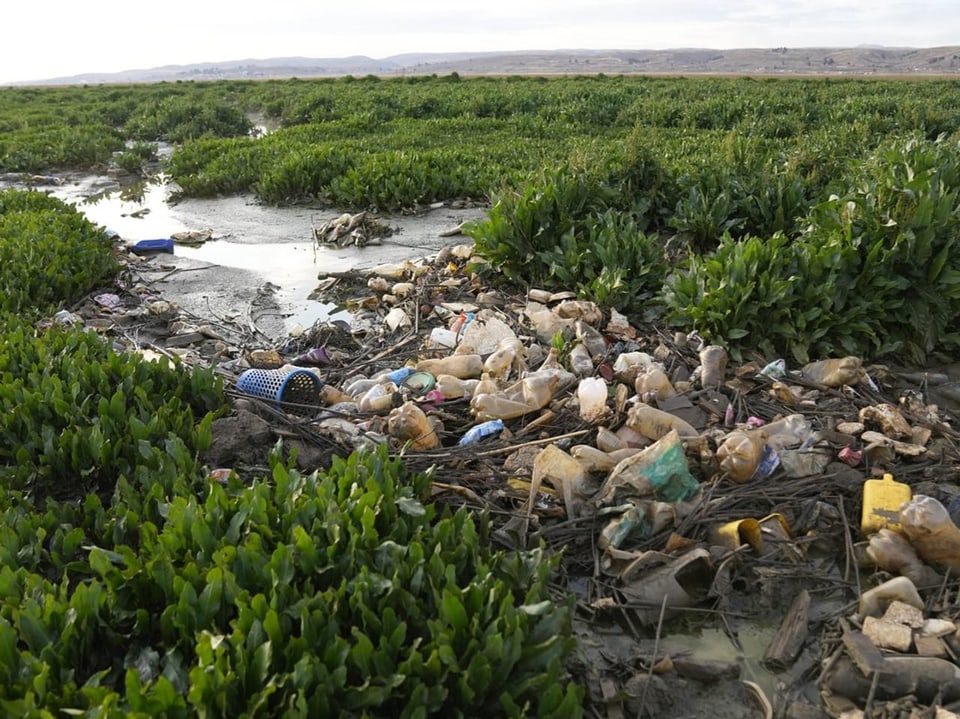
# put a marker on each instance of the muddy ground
(253, 281)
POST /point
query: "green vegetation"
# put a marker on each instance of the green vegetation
(49, 254)
(133, 586)
(790, 217)
(706, 199)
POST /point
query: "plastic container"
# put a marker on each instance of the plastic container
(419, 383)
(478, 432)
(882, 500)
(299, 387)
(150, 246)
(462, 366)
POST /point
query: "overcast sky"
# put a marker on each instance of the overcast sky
(50, 38)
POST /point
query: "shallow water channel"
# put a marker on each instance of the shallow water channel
(253, 243)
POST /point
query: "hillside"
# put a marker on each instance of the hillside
(759, 61)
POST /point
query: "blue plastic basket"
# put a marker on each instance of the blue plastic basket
(299, 387)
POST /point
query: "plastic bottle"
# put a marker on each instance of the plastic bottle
(478, 432)
(592, 397)
(454, 388)
(538, 389)
(486, 385)
(378, 398)
(591, 338)
(552, 360)
(581, 363)
(740, 454)
(462, 366)
(409, 423)
(396, 376)
(713, 360)
(608, 441)
(629, 364)
(892, 552)
(874, 602)
(927, 524)
(653, 423)
(331, 395)
(835, 372)
(790, 431)
(442, 337)
(653, 382)
(508, 356)
(496, 406)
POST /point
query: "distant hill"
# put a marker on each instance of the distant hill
(864, 60)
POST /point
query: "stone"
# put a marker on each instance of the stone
(887, 635)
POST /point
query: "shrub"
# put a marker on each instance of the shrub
(50, 254)
(338, 594)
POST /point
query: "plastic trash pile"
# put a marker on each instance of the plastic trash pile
(672, 477)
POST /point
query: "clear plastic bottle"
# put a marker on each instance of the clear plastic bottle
(379, 398)
(581, 363)
(454, 388)
(790, 431)
(463, 366)
(713, 361)
(592, 398)
(654, 423)
(931, 531)
(508, 356)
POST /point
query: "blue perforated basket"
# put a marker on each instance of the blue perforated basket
(299, 387)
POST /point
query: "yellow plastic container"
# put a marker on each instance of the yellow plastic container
(882, 499)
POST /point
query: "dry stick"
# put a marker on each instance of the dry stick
(532, 443)
(848, 548)
(868, 707)
(656, 650)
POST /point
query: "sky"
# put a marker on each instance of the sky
(55, 38)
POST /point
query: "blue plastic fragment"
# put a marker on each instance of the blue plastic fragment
(478, 432)
(163, 245)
